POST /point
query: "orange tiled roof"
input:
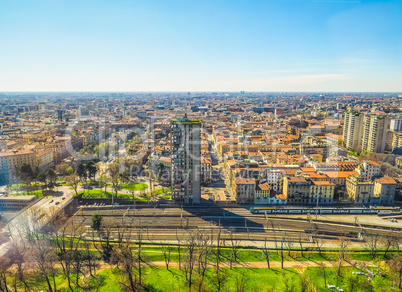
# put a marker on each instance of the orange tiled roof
(386, 180)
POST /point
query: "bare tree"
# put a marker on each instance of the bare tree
(395, 265)
(91, 260)
(178, 248)
(372, 242)
(18, 254)
(288, 243)
(190, 259)
(4, 265)
(166, 249)
(204, 247)
(108, 225)
(140, 257)
(388, 241)
(126, 262)
(283, 240)
(235, 243)
(219, 275)
(68, 239)
(45, 259)
(301, 239)
(319, 242)
(342, 253)
(266, 252)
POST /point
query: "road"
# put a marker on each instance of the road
(34, 217)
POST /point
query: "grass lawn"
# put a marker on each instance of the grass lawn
(137, 186)
(161, 279)
(255, 279)
(154, 253)
(347, 280)
(37, 193)
(101, 194)
(167, 196)
(16, 186)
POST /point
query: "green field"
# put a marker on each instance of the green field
(98, 194)
(137, 186)
(37, 193)
(154, 253)
(16, 186)
(235, 279)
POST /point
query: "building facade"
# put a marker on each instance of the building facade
(353, 129)
(360, 191)
(11, 161)
(186, 160)
(369, 170)
(206, 170)
(297, 190)
(245, 190)
(384, 190)
(375, 133)
(323, 191)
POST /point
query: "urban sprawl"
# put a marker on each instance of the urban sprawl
(261, 149)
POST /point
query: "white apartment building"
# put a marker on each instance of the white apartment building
(396, 125)
(274, 178)
(375, 133)
(368, 170)
(353, 129)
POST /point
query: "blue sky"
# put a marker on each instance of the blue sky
(268, 45)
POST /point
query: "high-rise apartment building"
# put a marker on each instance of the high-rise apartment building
(353, 129)
(397, 140)
(82, 112)
(375, 131)
(186, 160)
(396, 125)
(60, 114)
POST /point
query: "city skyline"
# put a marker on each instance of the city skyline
(290, 46)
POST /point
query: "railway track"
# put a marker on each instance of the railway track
(171, 223)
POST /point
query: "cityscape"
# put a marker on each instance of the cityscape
(277, 175)
(200, 146)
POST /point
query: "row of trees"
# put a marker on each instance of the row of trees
(66, 247)
(28, 174)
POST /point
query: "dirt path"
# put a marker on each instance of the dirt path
(273, 264)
